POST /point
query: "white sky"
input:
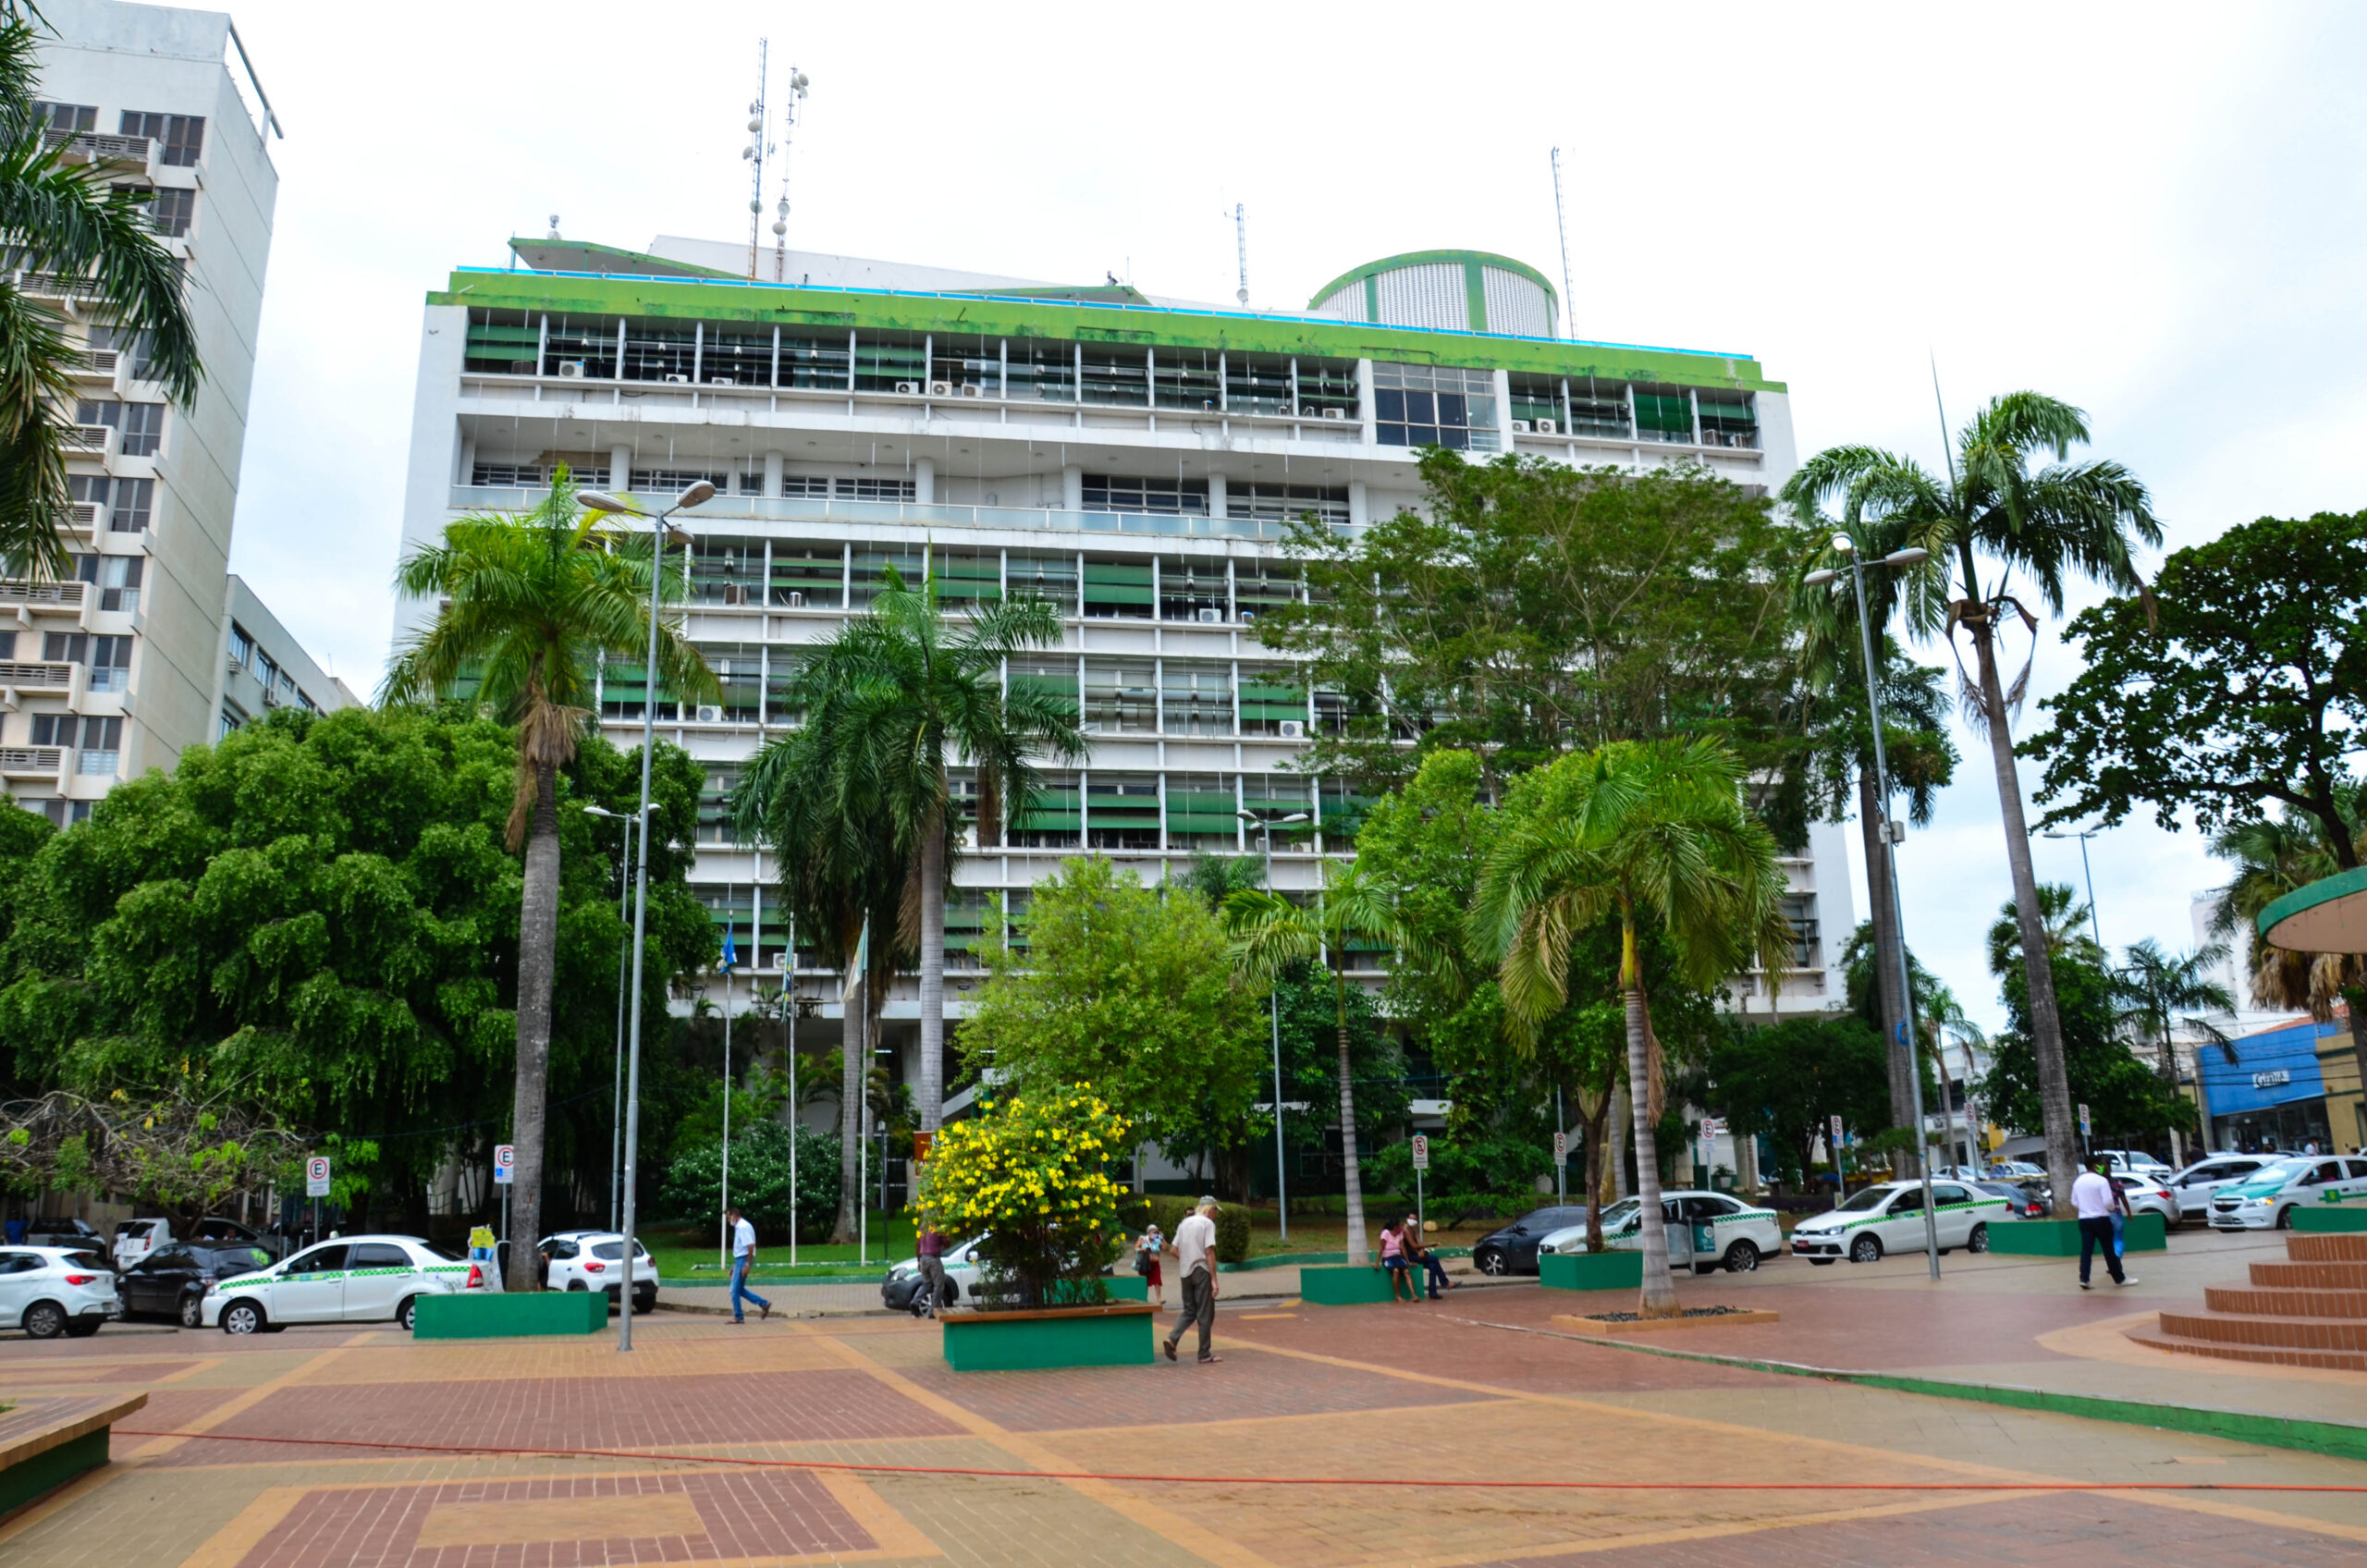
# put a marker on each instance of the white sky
(2151, 210)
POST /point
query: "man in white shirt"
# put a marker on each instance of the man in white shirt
(2095, 1200)
(1196, 1265)
(743, 1257)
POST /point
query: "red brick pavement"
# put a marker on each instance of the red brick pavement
(81, 1371)
(1124, 1396)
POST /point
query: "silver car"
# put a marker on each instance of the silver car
(51, 1291)
(2195, 1185)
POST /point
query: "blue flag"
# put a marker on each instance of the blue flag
(730, 953)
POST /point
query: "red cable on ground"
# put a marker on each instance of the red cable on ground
(1281, 1480)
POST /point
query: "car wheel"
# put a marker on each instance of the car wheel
(1492, 1262)
(1865, 1249)
(577, 1286)
(2285, 1218)
(948, 1293)
(83, 1328)
(1742, 1257)
(1979, 1240)
(193, 1310)
(44, 1320)
(407, 1315)
(644, 1301)
(243, 1317)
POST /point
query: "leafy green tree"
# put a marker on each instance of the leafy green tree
(528, 606)
(760, 1179)
(1217, 878)
(2046, 524)
(1532, 608)
(1633, 834)
(1133, 993)
(2276, 855)
(1787, 1079)
(1310, 1041)
(88, 223)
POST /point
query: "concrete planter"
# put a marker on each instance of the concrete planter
(501, 1314)
(1343, 1284)
(2323, 1218)
(1117, 1334)
(1591, 1270)
(47, 1443)
(2060, 1238)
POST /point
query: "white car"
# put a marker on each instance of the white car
(595, 1260)
(1889, 1217)
(135, 1239)
(965, 1273)
(2147, 1194)
(2195, 1186)
(352, 1280)
(2265, 1199)
(2134, 1162)
(51, 1291)
(1708, 1230)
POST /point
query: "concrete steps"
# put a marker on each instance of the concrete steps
(2310, 1310)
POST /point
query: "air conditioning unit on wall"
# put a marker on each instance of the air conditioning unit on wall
(909, 388)
(1520, 427)
(1544, 427)
(1211, 616)
(571, 370)
(1293, 729)
(972, 390)
(672, 380)
(940, 389)
(710, 713)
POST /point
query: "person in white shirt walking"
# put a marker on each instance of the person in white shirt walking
(2095, 1200)
(743, 1257)
(1195, 1269)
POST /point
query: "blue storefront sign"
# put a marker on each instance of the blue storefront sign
(2272, 1096)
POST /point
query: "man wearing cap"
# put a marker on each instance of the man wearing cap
(1195, 1267)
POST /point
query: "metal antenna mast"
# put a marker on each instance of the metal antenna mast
(1240, 251)
(754, 153)
(781, 213)
(1561, 224)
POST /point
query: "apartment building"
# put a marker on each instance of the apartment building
(1130, 458)
(261, 666)
(118, 668)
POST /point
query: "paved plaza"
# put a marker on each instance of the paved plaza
(1397, 1399)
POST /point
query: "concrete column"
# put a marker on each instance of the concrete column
(619, 469)
(468, 459)
(1504, 408)
(1364, 409)
(772, 476)
(924, 481)
(1071, 487)
(1359, 510)
(1216, 496)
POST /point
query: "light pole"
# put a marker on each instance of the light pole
(624, 951)
(2083, 835)
(1274, 1006)
(1891, 834)
(601, 501)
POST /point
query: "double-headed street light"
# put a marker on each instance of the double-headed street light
(1265, 826)
(1892, 831)
(616, 1107)
(660, 536)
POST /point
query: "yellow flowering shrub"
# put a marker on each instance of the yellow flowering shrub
(1031, 1174)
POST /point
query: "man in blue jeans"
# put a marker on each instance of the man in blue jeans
(743, 1257)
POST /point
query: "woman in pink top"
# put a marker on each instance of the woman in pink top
(1393, 1257)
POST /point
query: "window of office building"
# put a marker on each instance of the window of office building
(877, 490)
(135, 504)
(739, 669)
(1261, 586)
(1195, 698)
(144, 429)
(1193, 589)
(1276, 503)
(1108, 493)
(966, 577)
(64, 647)
(1122, 811)
(64, 813)
(66, 118)
(579, 348)
(1433, 406)
(242, 645)
(111, 663)
(1118, 589)
(171, 209)
(1119, 697)
(715, 803)
(806, 486)
(1054, 818)
(100, 741)
(807, 579)
(817, 364)
(1186, 379)
(724, 571)
(1046, 372)
(871, 566)
(1200, 808)
(1053, 678)
(1273, 702)
(1029, 574)
(1664, 416)
(116, 577)
(183, 135)
(8, 645)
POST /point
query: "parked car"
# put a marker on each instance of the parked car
(1512, 1248)
(2015, 1171)
(354, 1279)
(1708, 1230)
(2195, 1186)
(51, 1291)
(1889, 1217)
(2024, 1200)
(135, 1239)
(2136, 1162)
(595, 1260)
(172, 1282)
(2147, 1196)
(2267, 1199)
(900, 1289)
(71, 1234)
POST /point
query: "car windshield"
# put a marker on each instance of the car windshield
(2282, 1170)
(1872, 1197)
(231, 1260)
(1618, 1214)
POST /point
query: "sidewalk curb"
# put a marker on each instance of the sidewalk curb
(2335, 1439)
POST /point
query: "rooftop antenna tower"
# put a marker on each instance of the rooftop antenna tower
(1240, 251)
(754, 153)
(1561, 224)
(781, 212)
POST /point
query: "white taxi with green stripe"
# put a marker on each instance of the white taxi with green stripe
(351, 1279)
(1889, 1217)
(1706, 1230)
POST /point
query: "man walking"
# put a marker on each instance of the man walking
(2093, 1198)
(1195, 1268)
(743, 1257)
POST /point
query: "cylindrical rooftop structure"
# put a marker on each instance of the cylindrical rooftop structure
(1445, 290)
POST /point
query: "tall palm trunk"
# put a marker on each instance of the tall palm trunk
(537, 955)
(1348, 1168)
(1623, 1117)
(1659, 1298)
(855, 1053)
(2038, 964)
(1885, 929)
(931, 1089)
(1593, 1125)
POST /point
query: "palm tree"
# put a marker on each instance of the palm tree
(529, 603)
(69, 221)
(1270, 934)
(904, 693)
(1642, 832)
(2063, 919)
(2157, 989)
(2047, 524)
(1218, 878)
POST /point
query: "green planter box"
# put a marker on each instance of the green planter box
(1121, 1334)
(1122, 1287)
(1591, 1271)
(2348, 1217)
(500, 1316)
(1343, 1284)
(2060, 1238)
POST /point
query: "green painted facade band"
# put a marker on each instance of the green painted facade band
(1027, 1342)
(2349, 1217)
(1591, 1270)
(501, 1316)
(2060, 1238)
(31, 1479)
(1345, 1284)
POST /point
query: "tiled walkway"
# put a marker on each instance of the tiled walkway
(1394, 1400)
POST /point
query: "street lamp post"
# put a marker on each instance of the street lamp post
(1274, 1006)
(2083, 835)
(698, 494)
(617, 1106)
(1890, 835)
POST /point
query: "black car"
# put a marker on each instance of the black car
(170, 1283)
(2031, 1200)
(1513, 1250)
